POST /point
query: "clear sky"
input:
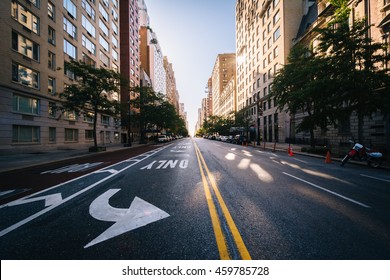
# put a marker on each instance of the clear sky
(191, 34)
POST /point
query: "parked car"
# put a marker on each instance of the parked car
(223, 138)
(162, 138)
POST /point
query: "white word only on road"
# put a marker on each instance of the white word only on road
(164, 164)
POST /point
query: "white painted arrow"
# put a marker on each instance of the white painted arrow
(138, 215)
(50, 199)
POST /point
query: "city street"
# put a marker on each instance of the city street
(199, 199)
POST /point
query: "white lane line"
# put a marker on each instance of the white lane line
(326, 190)
(376, 178)
(40, 213)
(6, 192)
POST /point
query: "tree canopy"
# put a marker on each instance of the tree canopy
(345, 73)
(154, 112)
(94, 91)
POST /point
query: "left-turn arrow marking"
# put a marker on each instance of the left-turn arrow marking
(50, 199)
(138, 215)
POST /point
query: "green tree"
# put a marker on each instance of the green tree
(94, 90)
(344, 74)
(152, 110)
(358, 70)
(144, 108)
(303, 86)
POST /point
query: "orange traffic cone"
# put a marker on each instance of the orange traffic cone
(327, 158)
(290, 152)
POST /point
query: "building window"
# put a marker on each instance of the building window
(277, 34)
(25, 17)
(114, 15)
(25, 76)
(115, 55)
(71, 135)
(70, 50)
(114, 28)
(88, 9)
(269, 43)
(103, 12)
(104, 58)
(88, 44)
(276, 68)
(89, 135)
(276, 52)
(51, 12)
(26, 105)
(88, 26)
(51, 85)
(51, 36)
(70, 28)
(36, 3)
(276, 17)
(52, 134)
(52, 110)
(89, 61)
(104, 43)
(114, 41)
(105, 120)
(88, 117)
(70, 115)
(68, 72)
(51, 60)
(24, 46)
(25, 134)
(71, 8)
(103, 27)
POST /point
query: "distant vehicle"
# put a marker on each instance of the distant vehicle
(223, 138)
(162, 138)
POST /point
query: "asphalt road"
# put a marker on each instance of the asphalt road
(202, 199)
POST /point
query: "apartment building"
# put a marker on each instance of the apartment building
(377, 13)
(39, 36)
(152, 58)
(129, 64)
(224, 70)
(265, 30)
(171, 90)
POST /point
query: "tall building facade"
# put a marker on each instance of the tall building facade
(376, 130)
(265, 30)
(39, 37)
(129, 63)
(152, 58)
(224, 70)
(171, 90)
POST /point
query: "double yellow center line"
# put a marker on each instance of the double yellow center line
(220, 235)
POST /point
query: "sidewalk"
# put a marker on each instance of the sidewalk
(296, 149)
(17, 161)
